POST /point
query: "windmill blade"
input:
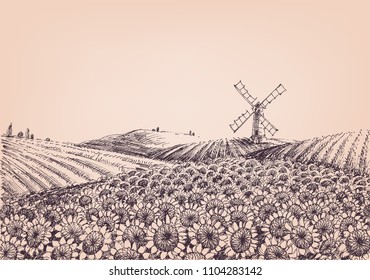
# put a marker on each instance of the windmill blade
(244, 93)
(268, 126)
(240, 121)
(272, 96)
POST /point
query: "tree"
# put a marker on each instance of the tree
(20, 134)
(190, 133)
(9, 131)
(32, 136)
(158, 129)
(27, 133)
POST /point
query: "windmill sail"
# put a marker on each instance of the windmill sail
(240, 121)
(272, 96)
(244, 93)
(268, 126)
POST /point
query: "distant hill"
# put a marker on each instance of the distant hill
(172, 146)
(36, 165)
(139, 142)
(348, 151)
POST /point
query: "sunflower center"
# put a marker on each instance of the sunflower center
(210, 235)
(360, 241)
(167, 235)
(302, 234)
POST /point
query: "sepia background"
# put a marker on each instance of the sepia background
(79, 70)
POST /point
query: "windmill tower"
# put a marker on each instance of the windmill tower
(260, 123)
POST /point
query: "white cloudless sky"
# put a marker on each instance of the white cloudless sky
(79, 70)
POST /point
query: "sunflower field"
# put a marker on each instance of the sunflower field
(225, 209)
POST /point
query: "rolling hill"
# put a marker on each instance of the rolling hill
(169, 146)
(347, 151)
(34, 165)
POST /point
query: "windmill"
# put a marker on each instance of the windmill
(260, 123)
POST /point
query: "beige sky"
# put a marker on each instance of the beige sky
(78, 70)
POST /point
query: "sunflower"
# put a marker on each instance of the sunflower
(145, 215)
(87, 197)
(230, 191)
(198, 253)
(313, 208)
(6, 211)
(348, 220)
(366, 210)
(240, 214)
(71, 209)
(265, 209)
(108, 202)
(134, 236)
(15, 226)
(181, 197)
(38, 235)
(304, 237)
(350, 205)
(208, 234)
(273, 249)
(281, 194)
(71, 228)
(166, 240)
(333, 207)
(259, 197)
(28, 213)
(223, 217)
(278, 225)
(123, 212)
(61, 250)
(108, 219)
(11, 248)
(357, 242)
(93, 211)
(294, 208)
(166, 209)
(125, 253)
(238, 201)
(242, 241)
(130, 243)
(215, 203)
(95, 242)
(329, 246)
(324, 224)
(104, 190)
(322, 197)
(305, 196)
(52, 216)
(196, 198)
(189, 217)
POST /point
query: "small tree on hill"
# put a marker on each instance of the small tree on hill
(27, 133)
(32, 136)
(9, 131)
(158, 129)
(20, 134)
